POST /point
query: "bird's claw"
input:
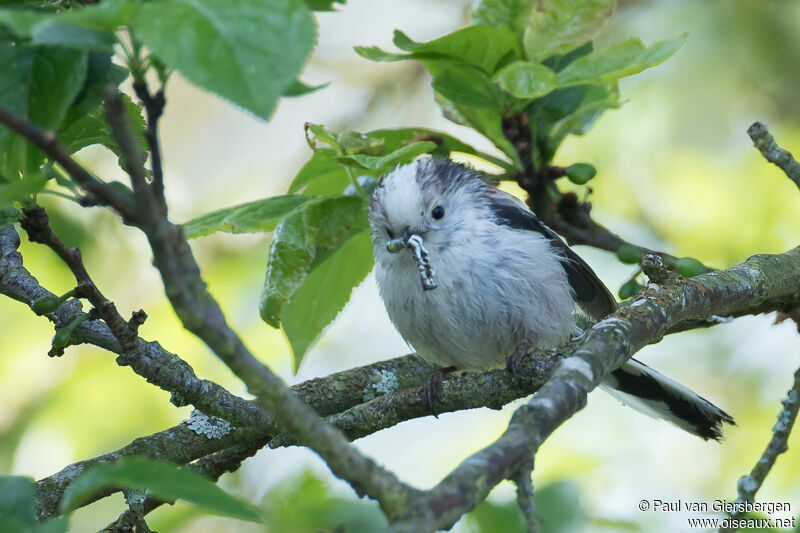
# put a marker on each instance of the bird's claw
(514, 361)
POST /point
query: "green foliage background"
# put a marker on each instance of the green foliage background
(675, 171)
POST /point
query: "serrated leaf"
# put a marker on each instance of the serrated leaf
(258, 216)
(247, 51)
(404, 154)
(92, 128)
(306, 314)
(38, 83)
(609, 64)
(558, 26)
(301, 242)
(162, 480)
(480, 46)
(524, 79)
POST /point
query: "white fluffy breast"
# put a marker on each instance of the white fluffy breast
(497, 287)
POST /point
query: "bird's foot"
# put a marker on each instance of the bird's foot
(514, 361)
(433, 388)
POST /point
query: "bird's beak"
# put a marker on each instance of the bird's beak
(415, 242)
(395, 245)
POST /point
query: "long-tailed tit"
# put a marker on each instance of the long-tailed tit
(470, 276)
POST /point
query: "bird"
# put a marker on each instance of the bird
(471, 278)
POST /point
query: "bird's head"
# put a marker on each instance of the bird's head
(422, 209)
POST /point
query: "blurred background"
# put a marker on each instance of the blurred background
(676, 172)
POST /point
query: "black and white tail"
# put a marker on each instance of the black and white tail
(639, 386)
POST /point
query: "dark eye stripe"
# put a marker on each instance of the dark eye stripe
(390, 233)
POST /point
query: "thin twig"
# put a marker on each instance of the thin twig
(37, 225)
(154, 107)
(525, 499)
(773, 153)
(748, 485)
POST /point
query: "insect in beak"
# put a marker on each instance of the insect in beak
(415, 243)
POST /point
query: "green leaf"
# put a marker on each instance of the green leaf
(373, 53)
(38, 83)
(18, 508)
(480, 46)
(322, 175)
(92, 128)
(247, 51)
(301, 242)
(298, 88)
(497, 13)
(559, 62)
(18, 189)
(558, 26)
(9, 215)
(100, 72)
(323, 5)
(162, 480)
(524, 79)
(445, 144)
(87, 27)
(402, 155)
(622, 59)
(570, 110)
(17, 503)
(259, 216)
(484, 120)
(307, 313)
(466, 86)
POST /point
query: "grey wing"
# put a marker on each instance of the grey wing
(590, 293)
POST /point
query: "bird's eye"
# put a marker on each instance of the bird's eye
(390, 233)
(437, 212)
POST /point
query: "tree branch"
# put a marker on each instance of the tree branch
(341, 394)
(604, 347)
(773, 153)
